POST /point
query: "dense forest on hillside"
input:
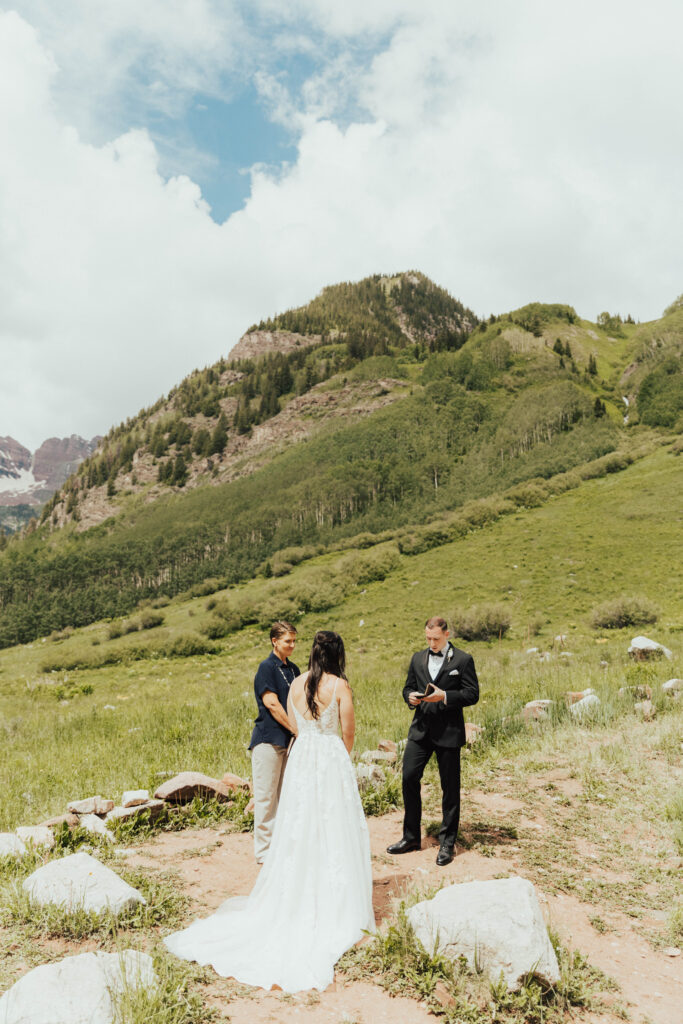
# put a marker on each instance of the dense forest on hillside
(484, 406)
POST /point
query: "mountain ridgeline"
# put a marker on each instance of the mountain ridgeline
(375, 409)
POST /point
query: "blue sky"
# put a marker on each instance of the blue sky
(175, 170)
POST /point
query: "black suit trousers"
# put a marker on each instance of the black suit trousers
(415, 758)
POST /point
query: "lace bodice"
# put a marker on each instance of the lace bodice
(327, 724)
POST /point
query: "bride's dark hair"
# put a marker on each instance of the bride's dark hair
(327, 655)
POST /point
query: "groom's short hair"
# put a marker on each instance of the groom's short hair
(436, 622)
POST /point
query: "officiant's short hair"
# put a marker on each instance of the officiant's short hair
(436, 622)
(281, 628)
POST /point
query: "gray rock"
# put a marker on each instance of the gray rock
(646, 709)
(76, 990)
(36, 835)
(642, 648)
(133, 797)
(93, 823)
(672, 686)
(155, 807)
(80, 881)
(185, 787)
(536, 710)
(91, 805)
(378, 756)
(11, 845)
(496, 925)
(388, 745)
(587, 706)
(369, 775)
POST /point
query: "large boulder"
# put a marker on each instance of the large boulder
(672, 687)
(183, 788)
(11, 845)
(79, 881)
(77, 990)
(497, 926)
(642, 648)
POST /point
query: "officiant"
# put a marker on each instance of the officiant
(272, 732)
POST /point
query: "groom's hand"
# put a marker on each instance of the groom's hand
(414, 698)
(435, 696)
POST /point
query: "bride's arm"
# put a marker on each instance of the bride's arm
(346, 714)
(290, 715)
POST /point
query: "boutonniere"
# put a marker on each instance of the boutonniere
(450, 654)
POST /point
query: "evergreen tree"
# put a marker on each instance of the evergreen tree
(592, 365)
(219, 437)
(567, 350)
(558, 347)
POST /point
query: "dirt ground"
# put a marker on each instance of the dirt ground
(214, 865)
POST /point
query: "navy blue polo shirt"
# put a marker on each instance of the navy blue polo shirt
(276, 677)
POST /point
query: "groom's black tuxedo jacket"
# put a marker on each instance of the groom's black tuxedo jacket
(441, 723)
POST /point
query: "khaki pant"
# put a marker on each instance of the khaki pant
(267, 769)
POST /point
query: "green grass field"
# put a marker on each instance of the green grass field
(72, 733)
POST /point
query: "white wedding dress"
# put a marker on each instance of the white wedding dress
(313, 898)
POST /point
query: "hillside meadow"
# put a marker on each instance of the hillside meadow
(78, 731)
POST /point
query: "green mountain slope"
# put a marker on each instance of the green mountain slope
(548, 566)
(391, 414)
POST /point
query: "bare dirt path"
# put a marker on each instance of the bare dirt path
(214, 865)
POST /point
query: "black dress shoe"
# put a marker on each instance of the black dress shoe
(445, 855)
(402, 846)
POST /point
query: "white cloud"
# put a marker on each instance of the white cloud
(511, 152)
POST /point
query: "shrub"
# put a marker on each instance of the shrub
(130, 626)
(186, 646)
(528, 495)
(209, 586)
(150, 620)
(624, 611)
(61, 634)
(114, 631)
(481, 622)
(371, 566)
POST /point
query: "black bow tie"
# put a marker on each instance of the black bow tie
(436, 654)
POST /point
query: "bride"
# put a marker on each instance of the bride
(313, 898)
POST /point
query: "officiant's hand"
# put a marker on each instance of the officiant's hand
(435, 697)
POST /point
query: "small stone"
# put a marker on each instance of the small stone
(11, 845)
(588, 705)
(369, 775)
(36, 835)
(532, 650)
(536, 710)
(62, 819)
(155, 807)
(93, 823)
(133, 797)
(561, 638)
(640, 692)
(443, 997)
(235, 782)
(91, 805)
(671, 951)
(473, 732)
(388, 745)
(645, 708)
(187, 785)
(672, 686)
(566, 654)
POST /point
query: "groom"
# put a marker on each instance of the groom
(437, 727)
